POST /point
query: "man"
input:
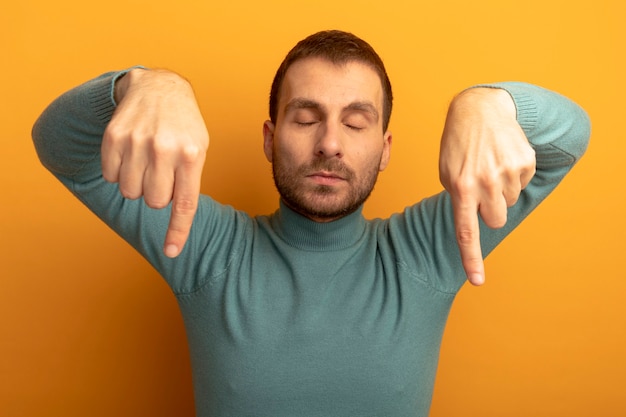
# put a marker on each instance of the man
(313, 310)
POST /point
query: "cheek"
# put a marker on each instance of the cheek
(284, 157)
(284, 154)
(291, 146)
(369, 158)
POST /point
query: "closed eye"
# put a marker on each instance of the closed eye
(355, 128)
(305, 123)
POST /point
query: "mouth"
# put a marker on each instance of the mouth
(326, 177)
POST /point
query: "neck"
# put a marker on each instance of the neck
(306, 233)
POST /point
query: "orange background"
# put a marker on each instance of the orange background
(88, 328)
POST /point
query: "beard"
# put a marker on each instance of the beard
(322, 202)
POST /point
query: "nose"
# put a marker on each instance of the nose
(329, 143)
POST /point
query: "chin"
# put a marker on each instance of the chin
(324, 208)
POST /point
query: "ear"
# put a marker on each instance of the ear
(268, 140)
(384, 159)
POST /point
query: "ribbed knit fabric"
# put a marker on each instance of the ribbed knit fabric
(287, 317)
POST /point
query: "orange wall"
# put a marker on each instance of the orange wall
(88, 328)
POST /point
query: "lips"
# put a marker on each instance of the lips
(326, 177)
(327, 174)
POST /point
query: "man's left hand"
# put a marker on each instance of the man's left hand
(485, 161)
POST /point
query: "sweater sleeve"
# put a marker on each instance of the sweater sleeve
(68, 137)
(557, 129)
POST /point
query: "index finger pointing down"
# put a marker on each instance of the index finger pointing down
(468, 240)
(184, 206)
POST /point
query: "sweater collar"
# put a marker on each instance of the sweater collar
(303, 233)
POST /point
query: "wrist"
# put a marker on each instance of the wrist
(122, 83)
(490, 99)
(142, 79)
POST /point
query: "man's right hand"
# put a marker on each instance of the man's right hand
(155, 147)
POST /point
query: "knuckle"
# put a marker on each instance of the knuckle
(465, 237)
(491, 178)
(494, 214)
(162, 146)
(184, 206)
(166, 146)
(463, 186)
(115, 135)
(157, 202)
(108, 174)
(512, 199)
(129, 193)
(191, 153)
(111, 133)
(496, 223)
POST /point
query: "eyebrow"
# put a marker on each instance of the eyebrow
(302, 103)
(305, 103)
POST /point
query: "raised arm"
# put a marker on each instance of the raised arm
(155, 147)
(494, 141)
(149, 137)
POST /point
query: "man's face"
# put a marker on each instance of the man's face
(327, 145)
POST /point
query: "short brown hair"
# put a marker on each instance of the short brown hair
(337, 47)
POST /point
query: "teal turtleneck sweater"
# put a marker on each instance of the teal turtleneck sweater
(287, 317)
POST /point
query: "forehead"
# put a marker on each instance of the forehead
(331, 84)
